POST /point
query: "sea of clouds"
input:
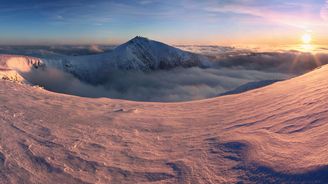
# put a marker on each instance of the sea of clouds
(232, 68)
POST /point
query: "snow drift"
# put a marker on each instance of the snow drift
(276, 134)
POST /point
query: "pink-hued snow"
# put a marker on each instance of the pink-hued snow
(275, 134)
(11, 66)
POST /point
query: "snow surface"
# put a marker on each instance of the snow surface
(12, 67)
(275, 134)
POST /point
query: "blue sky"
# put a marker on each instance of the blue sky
(173, 21)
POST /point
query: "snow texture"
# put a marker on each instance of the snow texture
(275, 134)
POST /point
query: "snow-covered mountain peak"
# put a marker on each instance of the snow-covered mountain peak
(139, 39)
(145, 54)
(139, 53)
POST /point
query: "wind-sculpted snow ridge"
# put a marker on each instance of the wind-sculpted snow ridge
(12, 66)
(275, 134)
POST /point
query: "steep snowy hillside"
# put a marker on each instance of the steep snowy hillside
(137, 54)
(276, 134)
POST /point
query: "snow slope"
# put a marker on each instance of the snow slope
(275, 134)
(12, 66)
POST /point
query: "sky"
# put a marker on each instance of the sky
(211, 22)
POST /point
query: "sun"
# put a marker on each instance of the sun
(306, 38)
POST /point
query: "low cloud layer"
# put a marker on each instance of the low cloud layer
(232, 69)
(56, 50)
(180, 84)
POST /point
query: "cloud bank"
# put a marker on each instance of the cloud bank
(232, 68)
(180, 84)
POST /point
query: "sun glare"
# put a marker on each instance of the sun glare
(306, 38)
